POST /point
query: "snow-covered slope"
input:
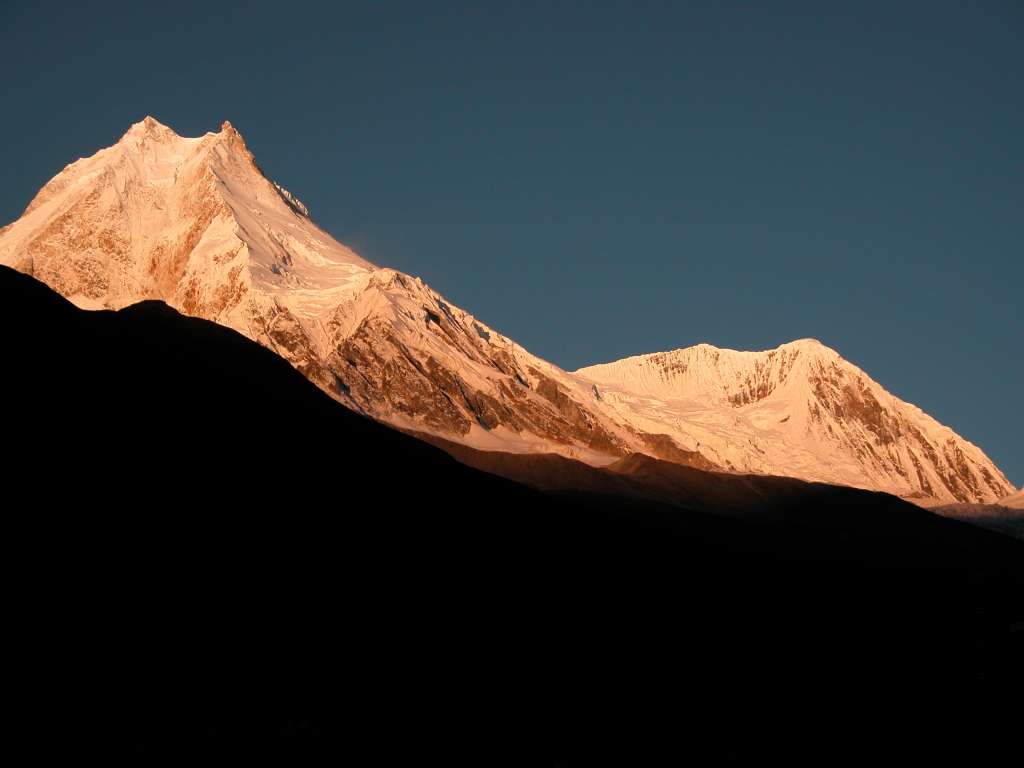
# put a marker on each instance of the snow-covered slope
(799, 410)
(195, 223)
(1014, 500)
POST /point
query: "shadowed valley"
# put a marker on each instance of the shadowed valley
(211, 552)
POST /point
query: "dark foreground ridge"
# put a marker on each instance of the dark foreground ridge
(211, 557)
(765, 499)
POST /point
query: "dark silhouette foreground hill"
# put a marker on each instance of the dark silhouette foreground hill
(209, 556)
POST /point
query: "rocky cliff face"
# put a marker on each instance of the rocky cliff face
(193, 222)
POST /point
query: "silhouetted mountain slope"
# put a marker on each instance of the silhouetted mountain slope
(995, 517)
(764, 499)
(212, 557)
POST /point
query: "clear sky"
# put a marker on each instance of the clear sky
(603, 179)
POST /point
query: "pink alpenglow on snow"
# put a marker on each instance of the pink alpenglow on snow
(194, 222)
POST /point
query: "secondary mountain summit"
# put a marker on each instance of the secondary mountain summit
(195, 223)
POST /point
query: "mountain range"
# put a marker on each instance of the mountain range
(195, 223)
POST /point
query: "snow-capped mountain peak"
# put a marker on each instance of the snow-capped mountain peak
(705, 371)
(192, 221)
(148, 126)
(799, 409)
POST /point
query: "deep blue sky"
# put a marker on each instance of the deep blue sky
(604, 179)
